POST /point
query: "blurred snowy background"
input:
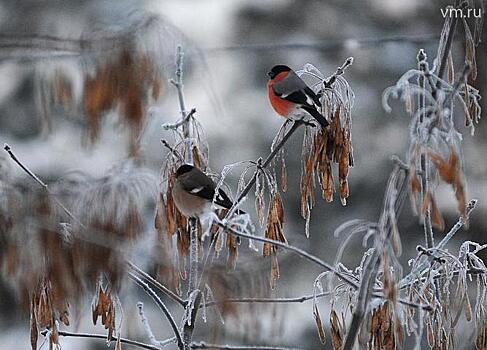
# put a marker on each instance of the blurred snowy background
(230, 45)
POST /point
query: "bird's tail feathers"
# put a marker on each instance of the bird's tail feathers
(228, 205)
(317, 115)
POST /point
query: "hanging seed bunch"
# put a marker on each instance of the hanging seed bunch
(273, 219)
(171, 225)
(109, 214)
(125, 81)
(36, 258)
(324, 147)
(435, 150)
(385, 329)
(122, 83)
(103, 307)
(275, 231)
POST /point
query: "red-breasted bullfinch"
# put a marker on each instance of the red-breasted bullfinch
(194, 191)
(289, 93)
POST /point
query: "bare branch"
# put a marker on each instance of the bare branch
(313, 259)
(185, 120)
(270, 300)
(8, 149)
(145, 322)
(161, 306)
(202, 345)
(104, 337)
(157, 284)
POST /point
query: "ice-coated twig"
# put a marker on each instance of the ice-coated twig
(104, 337)
(304, 254)
(340, 70)
(145, 323)
(157, 284)
(394, 198)
(185, 120)
(161, 306)
(301, 299)
(12, 155)
(173, 151)
(425, 259)
(203, 345)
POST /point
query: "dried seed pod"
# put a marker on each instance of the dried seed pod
(121, 82)
(34, 330)
(336, 331)
(319, 324)
(274, 231)
(429, 203)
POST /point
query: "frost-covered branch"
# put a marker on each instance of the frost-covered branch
(162, 307)
(304, 254)
(157, 284)
(203, 345)
(104, 337)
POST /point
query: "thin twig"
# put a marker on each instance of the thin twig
(462, 221)
(188, 327)
(161, 306)
(424, 161)
(145, 323)
(157, 284)
(104, 337)
(173, 150)
(425, 260)
(203, 345)
(269, 300)
(185, 120)
(8, 149)
(340, 70)
(297, 123)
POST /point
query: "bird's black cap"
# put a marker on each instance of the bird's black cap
(183, 169)
(278, 69)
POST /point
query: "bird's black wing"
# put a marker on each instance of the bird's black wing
(294, 89)
(202, 186)
(199, 185)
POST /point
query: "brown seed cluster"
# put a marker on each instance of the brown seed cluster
(447, 169)
(170, 222)
(123, 84)
(274, 231)
(125, 81)
(337, 331)
(386, 331)
(322, 149)
(53, 259)
(104, 308)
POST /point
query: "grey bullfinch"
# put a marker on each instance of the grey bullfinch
(194, 191)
